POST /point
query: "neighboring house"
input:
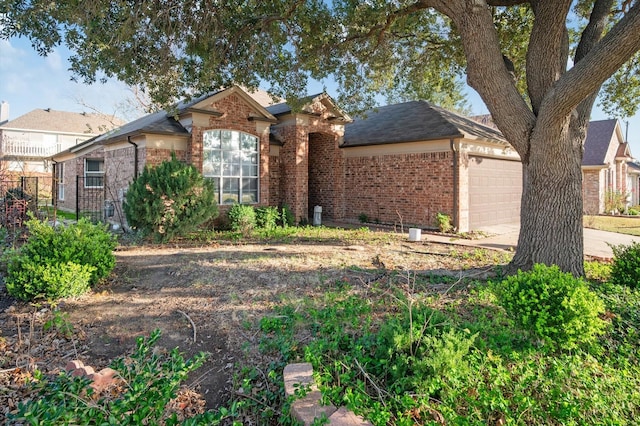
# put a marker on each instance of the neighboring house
(28, 142)
(401, 164)
(607, 167)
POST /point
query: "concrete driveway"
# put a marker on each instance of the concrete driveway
(505, 237)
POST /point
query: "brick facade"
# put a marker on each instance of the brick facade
(591, 192)
(410, 188)
(392, 184)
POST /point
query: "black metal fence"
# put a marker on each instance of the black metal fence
(90, 199)
(18, 197)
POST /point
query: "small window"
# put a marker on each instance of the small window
(94, 173)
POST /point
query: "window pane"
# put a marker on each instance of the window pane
(211, 163)
(249, 190)
(216, 186)
(211, 139)
(231, 170)
(95, 165)
(249, 170)
(249, 142)
(231, 157)
(230, 140)
(230, 191)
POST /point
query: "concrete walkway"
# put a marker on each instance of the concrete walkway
(505, 237)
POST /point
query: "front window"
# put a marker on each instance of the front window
(93, 173)
(231, 160)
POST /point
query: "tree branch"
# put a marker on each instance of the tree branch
(480, 41)
(613, 50)
(548, 48)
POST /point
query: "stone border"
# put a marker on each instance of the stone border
(307, 408)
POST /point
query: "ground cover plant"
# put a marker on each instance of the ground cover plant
(399, 332)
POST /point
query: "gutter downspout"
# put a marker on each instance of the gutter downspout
(456, 180)
(135, 157)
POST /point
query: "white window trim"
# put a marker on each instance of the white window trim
(93, 174)
(60, 177)
(219, 177)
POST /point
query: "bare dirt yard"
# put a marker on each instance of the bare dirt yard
(221, 289)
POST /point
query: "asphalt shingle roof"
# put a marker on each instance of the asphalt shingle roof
(413, 121)
(596, 144)
(62, 122)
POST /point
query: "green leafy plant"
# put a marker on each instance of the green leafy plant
(151, 380)
(626, 265)
(242, 218)
(444, 222)
(61, 261)
(170, 200)
(287, 218)
(363, 218)
(615, 201)
(267, 217)
(553, 306)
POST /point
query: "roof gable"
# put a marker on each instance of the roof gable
(600, 135)
(205, 103)
(414, 121)
(309, 103)
(48, 120)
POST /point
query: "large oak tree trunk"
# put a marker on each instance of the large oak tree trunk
(551, 211)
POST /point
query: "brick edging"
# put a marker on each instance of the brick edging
(307, 408)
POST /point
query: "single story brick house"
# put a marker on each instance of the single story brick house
(608, 167)
(403, 163)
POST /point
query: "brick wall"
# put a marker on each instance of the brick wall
(592, 191)
(274, 180)
(415, 185)
(297, 132)
(326, 176)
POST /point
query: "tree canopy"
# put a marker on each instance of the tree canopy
(538, 65)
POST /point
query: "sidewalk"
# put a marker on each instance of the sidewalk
(505, 237)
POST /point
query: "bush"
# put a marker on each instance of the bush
(554, 306)
(267, 217)
(242, 218)
(287, 218)
(626, 265)
(444, 222)
(170, 200)
(60, 262)
(37, 281)
(363, 218)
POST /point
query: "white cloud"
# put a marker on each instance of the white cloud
(54, 61)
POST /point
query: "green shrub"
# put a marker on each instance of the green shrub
(633, 212)
(33, 280)
(444, 222)
(626, 265)
(170, 200)
(61, 261)
(151, 380)
(287, 218)
(554, 306)
(417, 353)
(363, 218)
(267, 217)
(242, 218)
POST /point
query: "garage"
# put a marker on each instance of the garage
(495, 188)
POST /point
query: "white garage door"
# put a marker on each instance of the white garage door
(495, 187)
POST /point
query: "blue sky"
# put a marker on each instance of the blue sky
(29, 81)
